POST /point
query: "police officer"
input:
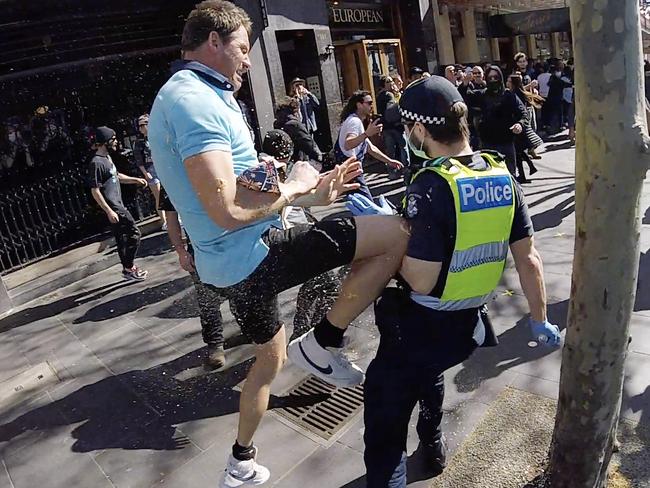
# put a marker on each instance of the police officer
(465, 211)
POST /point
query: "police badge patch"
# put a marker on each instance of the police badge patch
(412, 205)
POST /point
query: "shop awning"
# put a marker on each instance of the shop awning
(506, 6)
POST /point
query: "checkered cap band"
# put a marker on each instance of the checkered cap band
(425, 119)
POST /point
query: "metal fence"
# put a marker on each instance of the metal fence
(54, 213)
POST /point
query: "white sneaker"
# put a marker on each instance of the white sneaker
(329, 364)
(239, 473)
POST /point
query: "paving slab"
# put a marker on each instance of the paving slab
(54, 451)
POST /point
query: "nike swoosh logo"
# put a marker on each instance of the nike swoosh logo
(326, 371)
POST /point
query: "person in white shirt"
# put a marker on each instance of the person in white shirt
(354, 138)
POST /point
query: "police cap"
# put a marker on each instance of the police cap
(429, 100)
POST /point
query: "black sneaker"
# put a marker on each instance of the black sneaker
(436, 454)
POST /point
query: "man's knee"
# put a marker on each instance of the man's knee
(270, 357)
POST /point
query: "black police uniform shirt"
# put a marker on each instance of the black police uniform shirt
(431, 213)
(103, 175)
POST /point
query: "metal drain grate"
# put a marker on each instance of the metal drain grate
(326, 419)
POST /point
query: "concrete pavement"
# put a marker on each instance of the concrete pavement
(130, 406)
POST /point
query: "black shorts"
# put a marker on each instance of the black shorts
(295, 256)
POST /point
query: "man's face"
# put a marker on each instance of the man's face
(450, 73)
(231, 56)
(143, 127)
(522, 64)
(112, 143)
(477, 75)
(399, 83)
(298, 88)
(364, 109)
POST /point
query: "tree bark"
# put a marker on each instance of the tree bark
(611, 163)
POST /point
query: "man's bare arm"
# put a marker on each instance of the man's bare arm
(421, 275)
(99, 198)
(228, 204)
(531, 276)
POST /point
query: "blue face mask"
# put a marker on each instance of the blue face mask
(418, 152)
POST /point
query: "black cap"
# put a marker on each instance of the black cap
(278, 144)
(103, 134)
(429, 100)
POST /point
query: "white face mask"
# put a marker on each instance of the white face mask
(419, 152)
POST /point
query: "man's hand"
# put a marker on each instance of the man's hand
(361, 205)
(374, 128)
(185, 260)
(302, 179)
(517, 129)
(394, 163)
(545, 333)
(332, 185)
(113, 218)
(141, 182)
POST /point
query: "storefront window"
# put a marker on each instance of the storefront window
(484, 49)
(566, 48)
(523, 44)
(543, 46)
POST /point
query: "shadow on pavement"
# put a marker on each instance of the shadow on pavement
(635, 461)
(513, 350)
(140, 409)
(51, 309)
(646, 217)
(558, 147)
(569, 188)
(553, 217)
(417, 469)
(134, 301)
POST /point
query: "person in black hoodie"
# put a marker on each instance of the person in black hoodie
(288, 120)
(503, 116)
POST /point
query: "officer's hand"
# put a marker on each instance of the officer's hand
(361, 205)
(545, 333)
(374, 128)
(517, 129)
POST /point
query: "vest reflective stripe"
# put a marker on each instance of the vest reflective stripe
(485, 204)
(449, 305)
(483, 253)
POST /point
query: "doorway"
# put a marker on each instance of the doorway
(362, 63)
(299, 59)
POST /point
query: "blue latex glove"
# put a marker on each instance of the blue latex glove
(361, 205)
(545, 333)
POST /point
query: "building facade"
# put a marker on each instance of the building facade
(72, 65)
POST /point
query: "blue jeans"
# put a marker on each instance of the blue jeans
(417, 345)
(363, 188)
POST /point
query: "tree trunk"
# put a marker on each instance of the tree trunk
(611, 162)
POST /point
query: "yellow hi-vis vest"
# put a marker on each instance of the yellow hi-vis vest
(485, 207)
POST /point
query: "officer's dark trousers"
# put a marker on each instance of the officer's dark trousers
(417, 345)
(127, 238)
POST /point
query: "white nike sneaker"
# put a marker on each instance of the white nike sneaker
(329, 364)
(240, 473)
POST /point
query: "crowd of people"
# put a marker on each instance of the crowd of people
(240, 224)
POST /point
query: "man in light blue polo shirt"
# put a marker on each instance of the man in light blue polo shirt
(230, 205)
